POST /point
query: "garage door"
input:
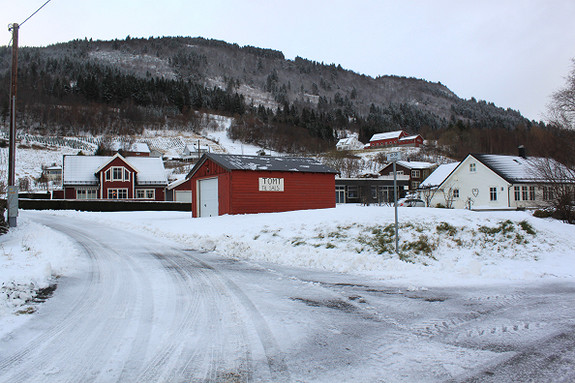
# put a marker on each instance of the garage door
(208, 197)
(183, 196)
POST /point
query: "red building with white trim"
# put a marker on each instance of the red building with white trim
(395, 138)
(233, 184)
(114, 177)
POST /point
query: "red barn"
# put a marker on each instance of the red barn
(396, 138)
(114, 177)
(235, 184)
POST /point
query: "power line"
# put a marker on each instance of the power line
(38, 10)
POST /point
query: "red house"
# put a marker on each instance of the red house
(235, 184)
(396, 138)
(114, 177)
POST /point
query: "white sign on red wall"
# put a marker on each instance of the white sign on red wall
(272, 184)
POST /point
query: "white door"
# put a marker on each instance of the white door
(183, 196)
(208, 197)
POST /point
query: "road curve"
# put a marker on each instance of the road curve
(146, 310)
(142, 312)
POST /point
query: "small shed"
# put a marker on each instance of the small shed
(237, 184)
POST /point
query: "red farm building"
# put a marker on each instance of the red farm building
(237, 184)
(396, 138)
(114, 177)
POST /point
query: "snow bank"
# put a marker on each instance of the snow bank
(31, 258)
(437, 246)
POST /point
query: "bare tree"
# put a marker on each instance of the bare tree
(449, 196)
(558, 186)
(561, 110)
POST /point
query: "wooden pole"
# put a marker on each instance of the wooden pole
(12, 197)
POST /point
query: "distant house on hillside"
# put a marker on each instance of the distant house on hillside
(194, 151)
(416, 170)
(349, 143)
(137, 149)
(491, 181)
(114, 177)
(395, 138)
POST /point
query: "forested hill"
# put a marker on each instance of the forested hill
(124, 86)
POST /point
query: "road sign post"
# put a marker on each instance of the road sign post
(394, 157)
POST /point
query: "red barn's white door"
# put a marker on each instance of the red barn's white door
(208, 197)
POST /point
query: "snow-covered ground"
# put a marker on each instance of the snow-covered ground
(438, 247)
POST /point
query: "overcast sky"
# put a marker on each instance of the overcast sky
(514, 53)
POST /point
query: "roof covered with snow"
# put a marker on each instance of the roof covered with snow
(139, 147)
(265, 163)
(408, 138)
(81, 170)
(516, 168)
(386, 135)
(439, 175)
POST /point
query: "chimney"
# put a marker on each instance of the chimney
(522, 151)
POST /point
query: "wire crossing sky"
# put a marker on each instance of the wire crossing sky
(513, 53)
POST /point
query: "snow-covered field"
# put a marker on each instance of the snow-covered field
(438, 247)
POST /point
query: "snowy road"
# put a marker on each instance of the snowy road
(145, 310)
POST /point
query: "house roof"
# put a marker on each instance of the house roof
(264, 163)
(411, 165)
(386, 135)
(81, 170)
(439, 175)
(140, 147)
(408, 138)
(515, 169)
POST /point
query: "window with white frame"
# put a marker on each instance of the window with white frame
(415, 173)
(117, 193)
(117, 173)
(146, 194)
(547, 193)
(517, 192)
(455, 193)
(86, 193)
(524, 193)
(531, 193)
(493, 194)
(472, 167)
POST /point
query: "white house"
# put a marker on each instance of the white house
(194, 151)
(490, 181)
(349, 143)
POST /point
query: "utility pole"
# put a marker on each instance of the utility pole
(12, 198)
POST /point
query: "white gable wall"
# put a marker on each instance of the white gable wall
(474, 187)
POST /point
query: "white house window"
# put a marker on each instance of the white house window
(531, 193)
(524, 193)
(399, 172)
(415, 173)
(117, 193)
(86, 194)
(455, 193)
(146, 194)
(472, 167)
(547, 193)
(493, 194)
(517, 192)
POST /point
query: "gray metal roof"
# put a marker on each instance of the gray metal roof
(265, 163)
(517, 169)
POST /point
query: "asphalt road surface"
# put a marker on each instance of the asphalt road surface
(145, 310)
